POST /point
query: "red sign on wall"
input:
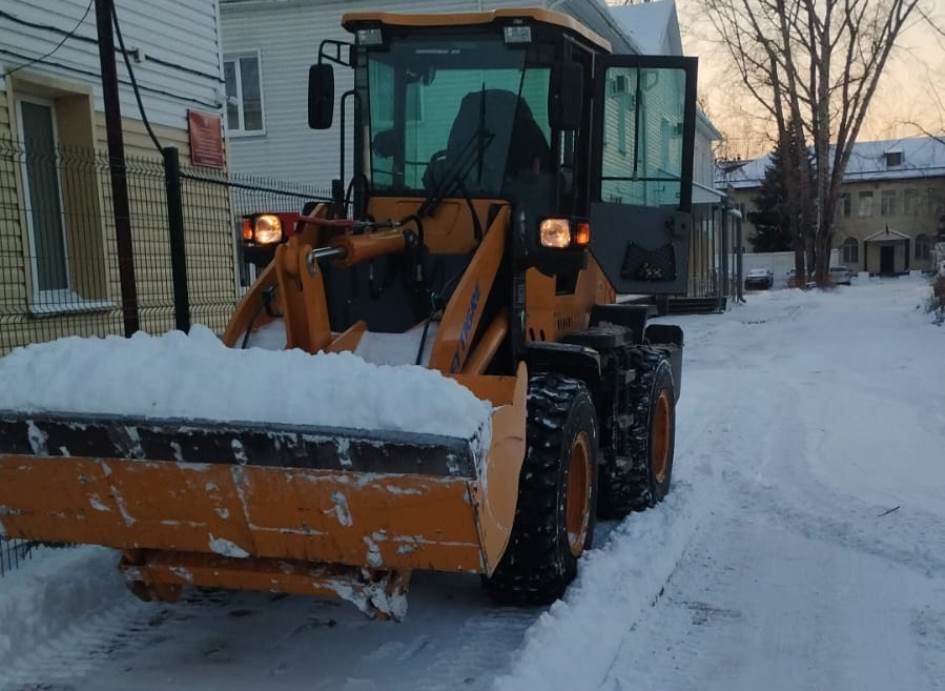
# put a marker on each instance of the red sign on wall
(206, 139)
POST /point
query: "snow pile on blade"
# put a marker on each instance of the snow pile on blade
(194, 376)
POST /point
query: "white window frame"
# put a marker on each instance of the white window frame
(235, 59)
(43, 297)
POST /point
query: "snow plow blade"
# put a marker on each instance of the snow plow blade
(264, 507)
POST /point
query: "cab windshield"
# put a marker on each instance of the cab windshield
(467, 114)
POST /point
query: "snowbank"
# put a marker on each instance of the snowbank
(195, 376)
(49, 594)
(573, 645)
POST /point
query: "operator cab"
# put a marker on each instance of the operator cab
(457, 116)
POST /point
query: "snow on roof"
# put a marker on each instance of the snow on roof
(653, 26)
(922, 157)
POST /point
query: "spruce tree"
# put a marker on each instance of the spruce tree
(772, 218)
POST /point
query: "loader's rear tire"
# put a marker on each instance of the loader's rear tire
(641, 477)
(557, 493)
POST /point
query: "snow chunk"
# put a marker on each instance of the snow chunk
(225, 548)
(374, 557)
(194, 376)
(340, 509)
(37, 438)
(96, 503)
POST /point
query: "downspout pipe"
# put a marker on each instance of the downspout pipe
(739, 250)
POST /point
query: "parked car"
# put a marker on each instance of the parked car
(759, 279)
(840, 275)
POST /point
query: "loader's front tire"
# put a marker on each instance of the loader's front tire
(557, 493)
(642, 477)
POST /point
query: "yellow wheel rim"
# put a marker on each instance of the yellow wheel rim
(578, 496)
(660, 436)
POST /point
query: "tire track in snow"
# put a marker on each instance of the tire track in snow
(486, 644)
(798, 500)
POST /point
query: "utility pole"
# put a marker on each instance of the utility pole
(116, 159)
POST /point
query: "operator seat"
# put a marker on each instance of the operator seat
(487, 113)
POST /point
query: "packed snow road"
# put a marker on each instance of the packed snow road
(803, 547)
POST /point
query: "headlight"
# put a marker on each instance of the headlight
(263, 229)
(267, 229)
(555, 232)
(560, 233)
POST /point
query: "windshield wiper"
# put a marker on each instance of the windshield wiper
(452, 180)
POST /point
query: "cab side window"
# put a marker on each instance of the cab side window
(642, 148)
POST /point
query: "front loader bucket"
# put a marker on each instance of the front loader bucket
(284, 508)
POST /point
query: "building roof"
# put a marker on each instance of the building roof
(653, 26)
(922, 157)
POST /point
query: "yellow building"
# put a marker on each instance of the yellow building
(891, 208)
(59, 272)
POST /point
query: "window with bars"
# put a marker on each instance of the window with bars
(244, 103)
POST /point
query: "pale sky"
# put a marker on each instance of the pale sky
(912, 89)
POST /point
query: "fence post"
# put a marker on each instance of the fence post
(175, 227)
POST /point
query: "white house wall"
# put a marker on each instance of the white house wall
(181, 32)
(287, 34)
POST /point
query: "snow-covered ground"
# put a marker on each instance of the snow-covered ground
(803, 547)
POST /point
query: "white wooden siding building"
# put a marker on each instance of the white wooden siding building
(278, 40)
(175, 46)
(58, 262)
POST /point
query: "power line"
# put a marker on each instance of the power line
(134, 82)
(90, 73)
(94, 41)
(65, 38)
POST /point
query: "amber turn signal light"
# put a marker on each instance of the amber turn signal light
(582, 236)
(561, 233)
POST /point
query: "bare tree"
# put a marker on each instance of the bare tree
(814, 66)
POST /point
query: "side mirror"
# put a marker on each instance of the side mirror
(566, 96)
(321, 96)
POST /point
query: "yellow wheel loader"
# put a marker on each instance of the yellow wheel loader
(511, 177)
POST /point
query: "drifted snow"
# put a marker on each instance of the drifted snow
(196, 377)
(376, 347)
(397, 349)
